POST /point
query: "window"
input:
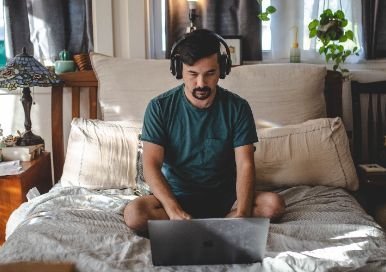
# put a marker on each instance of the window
(266, 29)
(291, 16)
(157, 22)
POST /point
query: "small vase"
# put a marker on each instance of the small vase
(63, 66)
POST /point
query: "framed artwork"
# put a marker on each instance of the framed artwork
(235, 48)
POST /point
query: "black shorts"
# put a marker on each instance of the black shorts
(213, 205)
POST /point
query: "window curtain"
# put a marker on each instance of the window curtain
(225, 17)
(297, 14)
(374, 32)
(46, 27)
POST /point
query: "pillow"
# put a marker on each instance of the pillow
(101, 155)
(315, 152)
(280, 94)
(126, 86)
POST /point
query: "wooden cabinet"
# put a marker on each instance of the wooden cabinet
(13, 188)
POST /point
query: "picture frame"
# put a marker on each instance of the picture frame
(235, 47)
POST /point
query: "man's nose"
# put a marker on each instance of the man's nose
(201, 81)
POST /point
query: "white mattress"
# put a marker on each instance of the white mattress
(324, 229)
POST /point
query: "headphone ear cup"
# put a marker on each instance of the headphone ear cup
(223, 65)
(173, 66)
(228, 65)
(178, 67)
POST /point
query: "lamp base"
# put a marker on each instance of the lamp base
(29, 138)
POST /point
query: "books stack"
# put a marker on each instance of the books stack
(22, 153)
(10, 168)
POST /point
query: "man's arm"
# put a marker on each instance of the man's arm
(245, 180)
(153, 156)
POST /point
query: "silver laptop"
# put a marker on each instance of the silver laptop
(208, 241)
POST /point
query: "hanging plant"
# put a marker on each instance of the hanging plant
(264, 16)
(331, 30)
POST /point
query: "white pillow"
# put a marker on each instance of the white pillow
(101, 155)
(280, 94)
(126, 86)
(315, 152)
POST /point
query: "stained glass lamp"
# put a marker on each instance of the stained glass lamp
(23, 71)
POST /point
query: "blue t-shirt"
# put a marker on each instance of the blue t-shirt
(199, 143)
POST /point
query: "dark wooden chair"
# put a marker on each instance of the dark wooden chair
(369, 120)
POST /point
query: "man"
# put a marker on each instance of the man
(198, 146)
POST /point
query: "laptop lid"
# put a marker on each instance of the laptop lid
(208, 241)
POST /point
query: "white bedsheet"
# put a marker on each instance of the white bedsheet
(324, 229)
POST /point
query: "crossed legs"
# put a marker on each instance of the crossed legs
(142, 209)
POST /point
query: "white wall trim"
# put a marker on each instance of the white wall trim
(103, 30)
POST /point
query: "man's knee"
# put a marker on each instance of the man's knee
(268, 204)
(135, 215)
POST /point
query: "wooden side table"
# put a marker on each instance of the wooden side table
(372, 193)
(13, 188)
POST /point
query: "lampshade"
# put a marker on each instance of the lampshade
(24, 71)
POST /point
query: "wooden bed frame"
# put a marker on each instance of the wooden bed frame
(376, 125)
(87, 79)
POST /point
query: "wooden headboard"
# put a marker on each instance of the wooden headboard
(86, 79)
(75, 81)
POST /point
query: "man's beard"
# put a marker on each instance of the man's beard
(202, 93)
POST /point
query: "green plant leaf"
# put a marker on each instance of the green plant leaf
(328, 57)
(324, 20)
(343, 39)
(344, 23)
(347, 53)
(335, 67)
(263, 16)
(270, 9)
(340, 48)
(313, 33)
(339, 14)
(349, 34)
(355, 49)
(327, 12)
(313, 24)
(321, 50)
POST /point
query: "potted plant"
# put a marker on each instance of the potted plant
(331, 30)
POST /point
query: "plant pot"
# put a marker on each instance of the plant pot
(332, 30)
(83, 62)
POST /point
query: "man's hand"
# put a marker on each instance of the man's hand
(176, 213)
(237, 214)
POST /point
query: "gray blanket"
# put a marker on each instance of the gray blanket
(323, 229)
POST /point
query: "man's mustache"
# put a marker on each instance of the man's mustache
(202, 89)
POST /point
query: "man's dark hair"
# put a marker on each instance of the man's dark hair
(198, 44)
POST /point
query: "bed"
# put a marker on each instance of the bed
(296, 108)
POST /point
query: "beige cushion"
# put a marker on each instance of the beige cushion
(127, 85)
(100, 155)
(315, 152)
(280, 94)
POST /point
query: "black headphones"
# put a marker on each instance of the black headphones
(225, 61)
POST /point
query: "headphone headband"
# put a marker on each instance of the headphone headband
(176, 62)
